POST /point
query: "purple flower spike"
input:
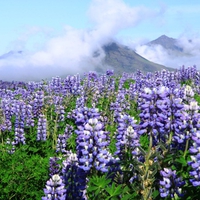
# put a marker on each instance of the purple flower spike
(55, 189)
(170, 184)
(195, 159)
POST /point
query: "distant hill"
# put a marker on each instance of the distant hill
(10, 54)
(118, 57)
(167, 43)
(122, 59)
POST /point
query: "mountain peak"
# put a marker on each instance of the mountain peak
(123, 59)
(166, 42)
(11, 54)
(164, 37)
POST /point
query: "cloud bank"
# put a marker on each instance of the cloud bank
(72, 51)
(189, 56)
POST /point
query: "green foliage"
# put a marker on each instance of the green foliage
(197, 98)
(112, 131)
(127, 83)
(187, 82)
(22, 176)
(71, 143)
(134, 111)
(117, 79)
(100, 187)
(144, 141)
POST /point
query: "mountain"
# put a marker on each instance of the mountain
(122, 59)
(118, 57)
(10, 54)
(167, 43)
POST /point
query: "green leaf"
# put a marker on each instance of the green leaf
(113, 190)
(33, 149)
(155, 193)
(182, 161)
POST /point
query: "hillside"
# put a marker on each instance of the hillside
(122, 59)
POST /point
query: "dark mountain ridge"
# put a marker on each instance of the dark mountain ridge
(118, 57)
(167, 43)
(123, 59)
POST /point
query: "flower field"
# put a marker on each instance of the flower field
(109, 137)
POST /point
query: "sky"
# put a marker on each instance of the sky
(59, 37)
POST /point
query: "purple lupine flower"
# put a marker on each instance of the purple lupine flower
(195, 159)
(109, 72)
(54, 167)
(101, 153)
(29, 116)
(56, 85)
(37, 103)
(55, 189)
(19, 136)
(91, 140)
(19, 123)
(155, 109)
(62, 140)
(74, 178)
(170, 184)
(42, 128)
(121, 104)
(127, 138)
(83, 114)
(11, 146)
(6, 109)
(80, 102)
(92, 75)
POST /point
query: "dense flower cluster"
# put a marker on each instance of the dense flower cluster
(62, 140)
(170, 184)
(42, 128)
(105, 137)
(155, 111)
(126, 137)
(74, 177)
(92, 144)
(59, 108)
(195, 159)
(55, 189)
(37, 103)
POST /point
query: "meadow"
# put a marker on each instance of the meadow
(129, 136)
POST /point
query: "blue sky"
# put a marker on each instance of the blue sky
(39, 20)
(45, 29)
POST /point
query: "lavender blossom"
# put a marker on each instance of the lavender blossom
(127, 138)
(92, 146)
(195, 159)
(41, 129)
(37, 103)
(109, 72)
(55, 189)
(62, 140)
(170, 184)
(74, 178)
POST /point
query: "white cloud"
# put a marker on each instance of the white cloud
(72, 51)
(190, 44)
(188, 57)
(111, 16)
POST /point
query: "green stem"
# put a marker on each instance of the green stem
(186, 148)
(148, 153)
(54, 133)
(169, 141)
(147, 190)
(1, 135)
